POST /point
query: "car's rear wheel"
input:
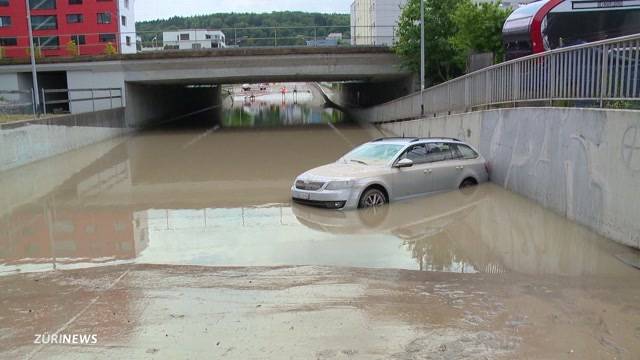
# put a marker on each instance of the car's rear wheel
(372, 198)
(467, 183)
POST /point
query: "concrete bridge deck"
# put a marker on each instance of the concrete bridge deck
(231, 65)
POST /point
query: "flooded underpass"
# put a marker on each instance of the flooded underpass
(175, 243)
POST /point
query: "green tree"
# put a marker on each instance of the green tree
(479, 28)
(442, 57)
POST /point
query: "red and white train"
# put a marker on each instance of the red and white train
(549, 24)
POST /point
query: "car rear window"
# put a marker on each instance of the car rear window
(439, 152)
(466, 152)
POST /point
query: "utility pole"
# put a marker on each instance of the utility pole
(422, 60)
(422, 74)
(34, 73)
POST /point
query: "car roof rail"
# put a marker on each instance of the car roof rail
(442, 138)
(411, 138)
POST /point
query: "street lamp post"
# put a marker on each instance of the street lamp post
(34, 74)
(422, 74)
(422, 55)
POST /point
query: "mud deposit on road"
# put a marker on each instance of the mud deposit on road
(316, 312)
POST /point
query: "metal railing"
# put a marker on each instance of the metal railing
(594, 75)
(65, 97)
(201, 39)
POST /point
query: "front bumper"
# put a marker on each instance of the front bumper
(321, 204)
(331, 199)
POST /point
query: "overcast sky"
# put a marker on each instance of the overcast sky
(162, 9)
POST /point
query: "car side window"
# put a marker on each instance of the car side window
(439, 152)
(466, 152)
(416, 153)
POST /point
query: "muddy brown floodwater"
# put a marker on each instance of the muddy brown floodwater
(184, 244)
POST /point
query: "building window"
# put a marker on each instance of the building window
(5, 21)
(44, 22)
(124, 20)
(79, 39)
(128, 40)
(4, 2)
(196, 46)
(42, 4)
(46, 42)
(75, 18)
(126, 4)
(184, 36)
(104, 18)
(8, 42)
(75, 2)
(107, 37)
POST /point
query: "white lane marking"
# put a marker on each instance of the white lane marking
(200, 137)
(341, 134)
(74, 318)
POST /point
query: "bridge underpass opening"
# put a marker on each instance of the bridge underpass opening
(153, 103)
(150, 105)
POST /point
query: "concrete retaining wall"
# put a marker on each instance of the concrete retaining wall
(581, 163)
(27, 141)
(89, 79)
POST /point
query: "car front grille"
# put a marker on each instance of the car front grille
(309, 185)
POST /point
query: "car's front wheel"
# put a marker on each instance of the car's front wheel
(371, 198)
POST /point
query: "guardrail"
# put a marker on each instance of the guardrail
(595, 74)
(96, 94)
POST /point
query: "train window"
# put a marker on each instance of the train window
(574, 28)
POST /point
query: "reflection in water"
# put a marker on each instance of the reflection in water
(142, 202)
(300, 105)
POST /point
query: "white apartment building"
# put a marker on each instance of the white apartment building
(193, 39)
(127, 25)
(373, 22)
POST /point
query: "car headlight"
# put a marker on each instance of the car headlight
(339, 185)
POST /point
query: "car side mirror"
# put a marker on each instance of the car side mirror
(404, 163)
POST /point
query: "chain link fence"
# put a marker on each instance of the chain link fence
(16, 105)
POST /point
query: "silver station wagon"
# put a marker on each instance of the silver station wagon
(390, 169)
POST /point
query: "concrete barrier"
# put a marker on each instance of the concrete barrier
(581, 163)
(24, 142)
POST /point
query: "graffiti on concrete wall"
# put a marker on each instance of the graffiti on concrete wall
(631, 148)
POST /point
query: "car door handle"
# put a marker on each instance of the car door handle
(427, 171)
(459, 167)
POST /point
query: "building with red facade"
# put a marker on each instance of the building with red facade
(67, 27)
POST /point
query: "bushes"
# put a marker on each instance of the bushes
(110, 50)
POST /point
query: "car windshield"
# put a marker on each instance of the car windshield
(373, 153)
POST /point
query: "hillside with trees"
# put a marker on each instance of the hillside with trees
(251, 29)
